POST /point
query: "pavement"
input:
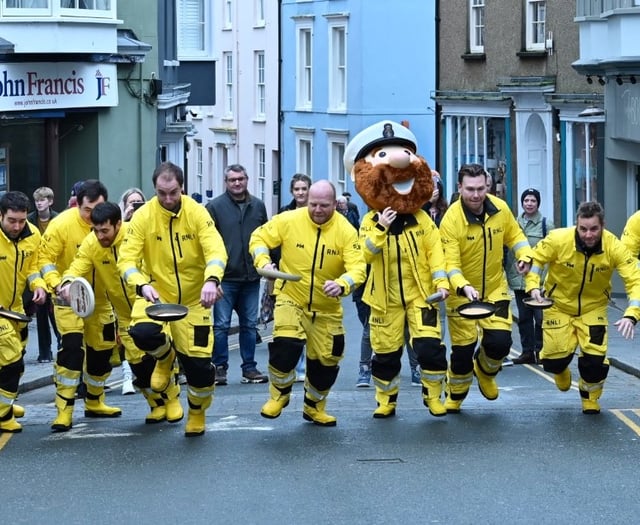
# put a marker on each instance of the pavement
(623, 354)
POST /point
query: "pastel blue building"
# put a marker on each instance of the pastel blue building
(348, 64)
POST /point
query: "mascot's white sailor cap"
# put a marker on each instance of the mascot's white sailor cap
(379, 134)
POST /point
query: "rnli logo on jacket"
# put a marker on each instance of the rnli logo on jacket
(600, 269)
(106, 261)
(497, 230)
(332, 251)
(188, 237)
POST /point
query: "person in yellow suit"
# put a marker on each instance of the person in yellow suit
(322, 247)
(631, 234)
(98, 255)
(474, 231)
(95, 335)
(581, 261)
(172, 252)
(19, 242)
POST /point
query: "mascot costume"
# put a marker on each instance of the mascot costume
(402, 246)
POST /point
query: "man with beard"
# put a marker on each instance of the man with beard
(581, 260)
(97, 257)
(19, 243)
(474, 231)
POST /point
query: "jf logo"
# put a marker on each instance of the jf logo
(104, 83)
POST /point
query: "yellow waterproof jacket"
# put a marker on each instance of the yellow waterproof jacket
(403, 266)
(59, 245)
(99, 266)
(631, 234)
(19, 267)
(474, 248)
(579, 282)
(317, 252)
(180, 251)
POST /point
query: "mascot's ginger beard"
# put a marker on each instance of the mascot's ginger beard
(375, 185)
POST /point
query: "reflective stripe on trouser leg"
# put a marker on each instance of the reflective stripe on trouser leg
(591, 391)
(6, 403)
(489, 366)
(199, 400)
(432, 382)
(281, 381)
(387, 391)
(458, 385)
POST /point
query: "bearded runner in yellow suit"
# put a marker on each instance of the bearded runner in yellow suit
(173, 252)
(58, 248)
(321, 246)
(19, 241)
(98, 255)
(581, 260)
(474, 231)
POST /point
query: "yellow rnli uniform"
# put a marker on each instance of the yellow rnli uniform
(631, 234)
(579, 282)
(18, 268)
(86, 342)
(303, 314)
(95, 260)
(474, 253)
(406, 266)
(180, 251)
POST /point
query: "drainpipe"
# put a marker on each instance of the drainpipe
(278, 182)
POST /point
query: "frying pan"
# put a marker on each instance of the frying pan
(81, 297)
(476, 310)
(277, 274)
(14, 316)
(159, 311)
(533, 303)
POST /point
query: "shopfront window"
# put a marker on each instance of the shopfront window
(588, 157)
(481, 140)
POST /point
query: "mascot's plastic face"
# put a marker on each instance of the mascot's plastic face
(393, 176)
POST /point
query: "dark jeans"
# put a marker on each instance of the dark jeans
(364, 310)
(529, 324)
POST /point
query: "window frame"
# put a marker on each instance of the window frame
(476, 26)
(205, 49)
(337, 144)
(304, 66)
(304, 153)
(260, 13)
(229, 99)
(260, 83)
(532, 21)
(261, 171)
(338, 71)
(55, 8)
(227, 14)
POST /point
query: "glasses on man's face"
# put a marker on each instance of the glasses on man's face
(235, 180)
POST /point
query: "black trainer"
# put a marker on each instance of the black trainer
(221, 375)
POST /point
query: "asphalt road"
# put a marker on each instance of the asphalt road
(529, 457)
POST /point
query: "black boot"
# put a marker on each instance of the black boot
(525, 358)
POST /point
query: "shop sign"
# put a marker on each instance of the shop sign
(626, 114)
(51, 85)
